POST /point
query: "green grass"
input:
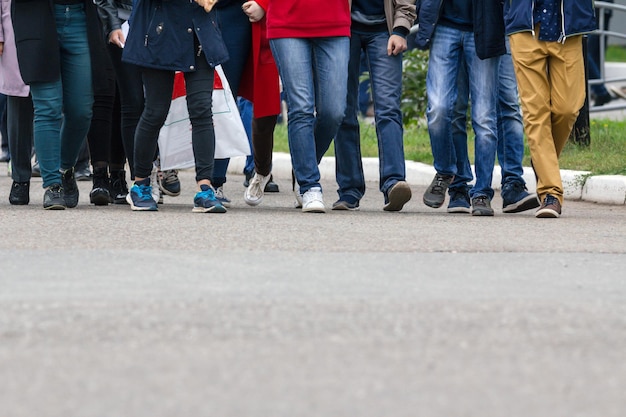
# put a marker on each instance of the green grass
(605, 155)
(615, 53)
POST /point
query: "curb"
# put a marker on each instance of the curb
(577, 185)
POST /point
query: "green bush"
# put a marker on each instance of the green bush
(414, 99)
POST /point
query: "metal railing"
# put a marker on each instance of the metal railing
(619, 12)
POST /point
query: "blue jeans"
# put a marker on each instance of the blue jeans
(314, 72)
(386, 85)
(450, 48)
(246, 112)
(63, 108)
(510, 148)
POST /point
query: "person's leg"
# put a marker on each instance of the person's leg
(441, 87)
(330, 60)
(263, 143)
(4, 147)
(20, 136)
(158, 98)
(459, 187)
(530, 58)
(348, 162)
(294, 60)
(483, 97)
(510, 149)
(131, 96)
(237, 35)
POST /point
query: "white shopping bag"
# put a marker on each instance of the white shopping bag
(175, 149)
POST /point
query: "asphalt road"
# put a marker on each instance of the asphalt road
(267, 311)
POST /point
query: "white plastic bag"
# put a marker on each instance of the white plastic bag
(175, 149)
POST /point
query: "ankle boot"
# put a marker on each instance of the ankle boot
(100, 195)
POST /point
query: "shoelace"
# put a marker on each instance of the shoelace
(169, 176)
(480, 201)
(550, 200)
(145, 192)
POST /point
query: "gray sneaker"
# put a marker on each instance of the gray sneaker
(481, 206)
(435, 195)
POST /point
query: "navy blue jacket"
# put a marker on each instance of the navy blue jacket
(488, 23)
(162, 32)
(578, 17)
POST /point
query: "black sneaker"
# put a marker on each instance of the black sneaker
(119, 187)
(435, 195)
(515, 198)
(481, 206)
(100, 195)
(248, 175)
(53, 198)
(271, 186)
(70, 188)
(20, 193)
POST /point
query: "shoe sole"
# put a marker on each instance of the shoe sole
(133, 207)
(343, 206)
(481, 212)
(55, 207)
(399, 195)
(459, 210)
(527, 203)
(168, 192)
(547, 214)
(209, 209)
(271, 188)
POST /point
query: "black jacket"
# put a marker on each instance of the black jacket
(38, 47)
(488, 25)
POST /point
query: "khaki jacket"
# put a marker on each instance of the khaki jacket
(400, 13)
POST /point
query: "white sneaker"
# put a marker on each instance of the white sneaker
(256, 189)
(313, 202)
(154, 182)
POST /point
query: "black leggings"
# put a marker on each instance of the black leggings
(158, 85)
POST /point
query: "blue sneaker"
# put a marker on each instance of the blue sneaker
(459, 201)
(206, 202)
(515, 198)
(140, 198)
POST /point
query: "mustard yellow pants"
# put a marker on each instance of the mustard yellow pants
(551, 84)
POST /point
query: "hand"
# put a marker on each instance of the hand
(396, 45)
(116, 37)
(1, 48)
(253, 11)
(207, 5)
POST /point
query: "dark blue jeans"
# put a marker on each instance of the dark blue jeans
(386, 84)
(158, 86)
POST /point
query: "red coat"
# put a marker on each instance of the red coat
(259, 82)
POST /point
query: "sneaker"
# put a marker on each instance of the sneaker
(119, 188)
(206, 202)
(550, 208)
(35, 170)
(70, 188)
(254, 193)
(271, 186)
(53, 198)
(481, 206)
(435, 194)
(459, 201)
(515, 198)
(154, 179)
(140, 198)
(296, 192)
(168, 182)
(397, 196)
(100, 194)
(82, 173)
(312, 201)
(342, 205)
(20, 193)
(219, 194)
